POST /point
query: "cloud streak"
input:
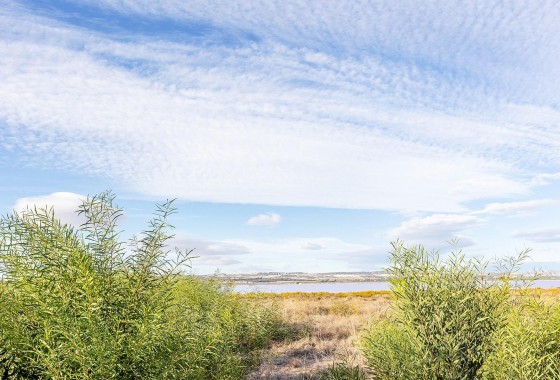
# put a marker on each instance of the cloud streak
(272, 119)
(513, 208)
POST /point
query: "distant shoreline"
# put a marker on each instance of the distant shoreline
(327, 278)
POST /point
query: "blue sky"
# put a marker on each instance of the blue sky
(295, 135)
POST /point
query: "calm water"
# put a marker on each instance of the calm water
(342, 287)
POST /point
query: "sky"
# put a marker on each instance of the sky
(295, 135)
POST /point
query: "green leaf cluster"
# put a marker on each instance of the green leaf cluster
(528, 347)
(81, 304)
(451, 320)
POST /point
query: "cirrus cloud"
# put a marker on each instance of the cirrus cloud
(271, 120)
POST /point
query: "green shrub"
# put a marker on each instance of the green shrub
(528, 347)
(79, 304)
(445, 315)
(390, 351)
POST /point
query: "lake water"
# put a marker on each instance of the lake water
(343, 287)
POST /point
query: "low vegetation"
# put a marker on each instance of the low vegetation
(321, 343)
(80, 304)
(321, 336)
(451, 321)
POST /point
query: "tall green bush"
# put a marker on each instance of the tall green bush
(528, 347)
(81, 304)
(445, 314)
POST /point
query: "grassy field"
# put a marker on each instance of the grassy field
(323, 331)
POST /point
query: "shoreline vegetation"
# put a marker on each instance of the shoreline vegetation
(78, 303)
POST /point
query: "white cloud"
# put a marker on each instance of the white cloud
(209, 255)
(300, 246)
(516, 207)
(269, 219)
(318, 254)
(547, 235)
(288, 118)
(205, 248)
(214, 261)
(292, 254)
(545, 178)
(493, 44)
(545, 254)
(435, 229)
(65, 205)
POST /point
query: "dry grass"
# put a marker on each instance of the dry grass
(326, 328)
(549, 295)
